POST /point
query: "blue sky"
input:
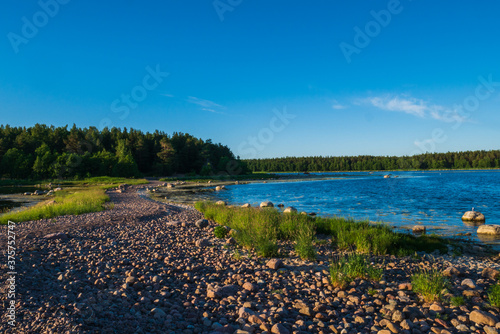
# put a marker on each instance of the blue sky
(266, 78)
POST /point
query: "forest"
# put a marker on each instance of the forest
(48, 152)
(450, 160)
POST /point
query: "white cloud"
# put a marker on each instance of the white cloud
(203, 103)
(416, 107)
(337, 106)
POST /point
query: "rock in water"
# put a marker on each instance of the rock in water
(267, 204)
(489, 229)
(418, 229)
(290, 209)
(473, 216)
(246, 205)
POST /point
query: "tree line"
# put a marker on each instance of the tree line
(450, 160)
(46, 152)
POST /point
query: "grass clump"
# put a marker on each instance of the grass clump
(429, 284)
(261, 230)
(347, 269)
(457, 301)
(494, 295)
(64, 203)
(220, 232)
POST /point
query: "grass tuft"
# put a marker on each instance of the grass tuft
(347, 269)
(429, 284)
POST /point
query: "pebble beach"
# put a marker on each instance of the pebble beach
(143, 266)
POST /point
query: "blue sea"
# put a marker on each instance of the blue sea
(435, 199)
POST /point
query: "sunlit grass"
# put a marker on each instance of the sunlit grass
(78, 201)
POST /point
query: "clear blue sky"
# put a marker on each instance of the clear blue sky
(371, 77)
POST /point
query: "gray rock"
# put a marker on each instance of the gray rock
(202, 223)
(489, 229)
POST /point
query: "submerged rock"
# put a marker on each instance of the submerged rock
(473, 215)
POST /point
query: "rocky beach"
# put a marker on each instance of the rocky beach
(143, 266)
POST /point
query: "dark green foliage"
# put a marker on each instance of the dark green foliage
(42, 152)
(450, 160)
(494, 295)
(220, 232)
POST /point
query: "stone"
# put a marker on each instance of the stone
(490, 330)
(418, 229)
(202, 223)
(267, 204)
(279, 329)
(398, 316)
(250, 287)
(274, 264)
(451, 271)
(490, 273)
(218, 188)
(290, 209)
(473, 216)
(246, 205)
(482, 318)
(158, 313)
(468, 283)
(220, 203)
(489, 229)
(405, 286)
(55, 236)
(130, 280)
(202, 242)
(245, 312)
(436, 308)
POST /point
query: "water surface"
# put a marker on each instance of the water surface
(435, 199)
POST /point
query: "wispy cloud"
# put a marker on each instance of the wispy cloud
(204, 103)
(415, 107)
(167, 95)
(337, 106)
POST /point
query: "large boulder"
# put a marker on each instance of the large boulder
(473, 216)
(290, 209)
(489, 229)
(267, 204)
(246, 205)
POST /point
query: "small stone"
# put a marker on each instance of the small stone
(202, 223)
(130, 280)
(491, 273)
(483, 318)
(469, 283)
(274, 264)
(436, 308)
(451, 271)
(158, 313)
(398, 316)
(245, 312)
(250, 287)
(490, 330)
(279, 329)
(202, 243)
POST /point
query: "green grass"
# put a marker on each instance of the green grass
(347, 269)
(457, 301)
(105, 182)
(494, 295)
(260, 229)
(220, 232)
(66, 203)
(429, 284)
